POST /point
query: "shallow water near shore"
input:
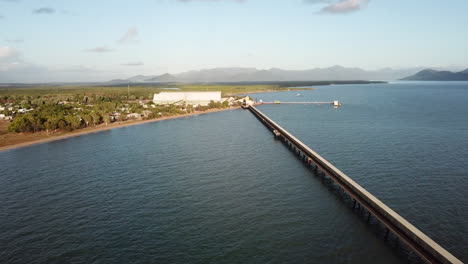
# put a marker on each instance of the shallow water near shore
(218, 188)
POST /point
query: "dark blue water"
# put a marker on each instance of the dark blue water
(218, 189)
(407, 143)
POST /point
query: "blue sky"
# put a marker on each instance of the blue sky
(63, 40)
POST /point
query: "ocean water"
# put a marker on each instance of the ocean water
(218, 188)
(405, 142)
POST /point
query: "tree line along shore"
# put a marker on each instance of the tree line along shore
(10, 140)
(68, 112)
(34, 113)
(46, 114)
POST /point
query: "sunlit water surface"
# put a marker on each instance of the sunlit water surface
(218, 188)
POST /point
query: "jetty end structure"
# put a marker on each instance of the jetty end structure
(417, 241)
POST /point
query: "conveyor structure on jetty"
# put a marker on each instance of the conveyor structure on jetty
(278, 102)
(335, 103)
(417, 241)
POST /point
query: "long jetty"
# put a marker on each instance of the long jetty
(425, 247)
(296, 102)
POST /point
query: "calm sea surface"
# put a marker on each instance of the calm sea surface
(218, 188)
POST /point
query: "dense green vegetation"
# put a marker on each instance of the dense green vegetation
(68, 117)
(43, 109)
(137, 92)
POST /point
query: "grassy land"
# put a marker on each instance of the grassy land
(138, 91)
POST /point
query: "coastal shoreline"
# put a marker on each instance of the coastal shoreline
(96, 129)
(43, 137)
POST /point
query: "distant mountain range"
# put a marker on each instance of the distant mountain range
(433, 75)
(336, 73)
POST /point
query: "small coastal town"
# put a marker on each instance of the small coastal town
(26, 120)
(32, 114)
(27, 114)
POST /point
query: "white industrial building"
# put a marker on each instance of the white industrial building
(193, 98)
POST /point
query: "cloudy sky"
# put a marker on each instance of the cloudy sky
(63, 40)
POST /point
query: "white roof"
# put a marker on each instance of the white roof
(187, 96)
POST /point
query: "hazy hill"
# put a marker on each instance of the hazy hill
(162, 78)
(433, 75)
(275, 74)
(337, 73)
(140, 78)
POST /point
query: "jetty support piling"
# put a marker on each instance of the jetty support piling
(417, 241)
(276, 133)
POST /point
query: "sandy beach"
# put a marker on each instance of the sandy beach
(12, 141)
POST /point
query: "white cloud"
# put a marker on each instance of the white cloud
(99, 49)
(129, 36)
(68, 12)
(10, 60)
(345, 6)
(9, 54)
(24, 72)
(13, 68)
(44, 11)
(339, 6)
(187, 1)
(133, 63)
(16, 40)
(17, 70)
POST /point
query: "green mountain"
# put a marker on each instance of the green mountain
(433, 75)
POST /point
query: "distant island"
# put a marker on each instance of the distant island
(433, 75)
